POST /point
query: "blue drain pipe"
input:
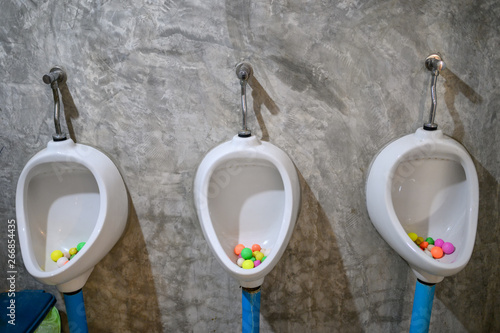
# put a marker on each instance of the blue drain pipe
(250, 306)
(75, 310)
(422, 307)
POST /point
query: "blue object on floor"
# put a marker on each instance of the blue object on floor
(75, 310)
(26, 309)
(250, 305)
(422, 307)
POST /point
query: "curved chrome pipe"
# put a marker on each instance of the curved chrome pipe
(57, 75)
(244, 72)
(435, 64)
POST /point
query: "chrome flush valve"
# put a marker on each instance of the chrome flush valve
(54, 77)
(435, 64)
(244, 71)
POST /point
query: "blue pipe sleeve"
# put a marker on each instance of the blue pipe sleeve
(250, 305)
(75, 310)
(422, 307)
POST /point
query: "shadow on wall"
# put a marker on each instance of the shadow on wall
(329, 306)
(121, 290)
(472, 294)
(70, 110)
(260, 97)
(468, 294)
(453, 86)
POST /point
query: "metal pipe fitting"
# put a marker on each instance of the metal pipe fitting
(54, 77)
(435, 64)
(244, 71)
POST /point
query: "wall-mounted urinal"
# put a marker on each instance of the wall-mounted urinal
(247, 191)
(425, 183)
(68, 193)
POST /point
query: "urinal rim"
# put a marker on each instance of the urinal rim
(445, 147)
(93, 160)
(238, 149)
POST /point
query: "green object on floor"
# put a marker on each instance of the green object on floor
(51, 323)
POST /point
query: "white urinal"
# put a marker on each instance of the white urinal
(66, 194)
(425, 183)
(247, 192)
(69, 193)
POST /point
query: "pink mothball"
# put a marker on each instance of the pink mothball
(448, 248)
(439, 242)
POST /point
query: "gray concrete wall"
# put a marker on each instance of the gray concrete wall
(152, 84)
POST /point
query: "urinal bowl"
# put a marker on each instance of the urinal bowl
(69, 193)
(247, 192)
(425, 183)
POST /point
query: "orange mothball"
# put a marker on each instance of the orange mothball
(238, 248)
(424, 245)
(437, 252)
(255, 247)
